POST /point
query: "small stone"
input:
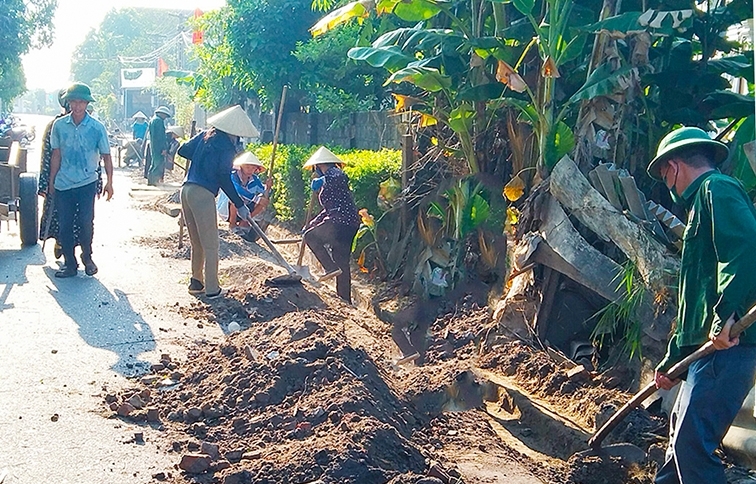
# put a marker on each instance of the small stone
(344, 427)
(262, 397)
(176, 416)
(136, 401)
(451, 433)
(157, 367)
(160, 476)
(192, 446)
(578, 373)
(54, 352)
(150, 380)
(176, 446)
(221, 465)
(139, 437)
(429, 480)
(195, 463)
(438, 472)
(250, 353)
(55, 417)
(111, 397)
(113, 406)
(254, 455)
(153, 415)
(194, 414)
(146, 395)
(125, 409)
(317, 413)
(242, 477)
(234, 455)
(199, 429)
(213, 412)
(177, 376)
(210, 449)
(165, 357)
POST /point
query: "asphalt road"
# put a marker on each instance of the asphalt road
(65, 343)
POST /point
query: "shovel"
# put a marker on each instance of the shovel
(305, 270)
(675, 372)
(293, 277)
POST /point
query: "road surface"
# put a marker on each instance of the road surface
(65, 343)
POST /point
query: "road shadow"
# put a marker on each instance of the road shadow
(106, 320)
(13, 264)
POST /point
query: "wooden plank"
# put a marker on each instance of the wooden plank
(657, 267)
(548, 292)
(607, 183)
(568, 252)
(172, 209)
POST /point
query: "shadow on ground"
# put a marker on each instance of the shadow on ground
(106, 320)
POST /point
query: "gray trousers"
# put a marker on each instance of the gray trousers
(706, 405)
(198, 210)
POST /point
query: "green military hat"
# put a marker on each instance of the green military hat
(681, 138)
(79, 91)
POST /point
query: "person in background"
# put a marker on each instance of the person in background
(139, 127)
(338, 222)
(717, 285)
(78, 142)
(251, 190)
(158, 146)
(173, 133)
(211, 154)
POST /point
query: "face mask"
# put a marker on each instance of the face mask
(676, 198)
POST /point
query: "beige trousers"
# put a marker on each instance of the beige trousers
(198, 207)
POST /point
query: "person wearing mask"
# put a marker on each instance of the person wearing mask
(717, 285)
(78, 143)
(337, 224)
(211, 154)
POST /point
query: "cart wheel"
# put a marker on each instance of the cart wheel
(28, 220)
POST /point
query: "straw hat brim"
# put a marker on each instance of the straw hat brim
(322, 156)
(654, 168)
(163, 110)
(177, 130)
(248, 159)
(234, 121)
(139, 115)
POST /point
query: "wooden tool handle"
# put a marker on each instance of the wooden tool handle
(675, 372)
(307, 220)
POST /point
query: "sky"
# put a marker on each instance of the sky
(49, 68)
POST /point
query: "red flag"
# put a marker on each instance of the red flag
(197, 36)
(161, 67)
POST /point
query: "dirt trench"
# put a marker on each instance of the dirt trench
(309, 390)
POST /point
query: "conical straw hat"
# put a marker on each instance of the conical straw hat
(234, 121)
(321, 156)
(247, 158)
(138, 115)
(177, 130)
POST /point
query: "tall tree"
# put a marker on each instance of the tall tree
(129, 32)
(24, 25)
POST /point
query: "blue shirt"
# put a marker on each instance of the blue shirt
(139, 130)
(211, 163)
(80, 150)
(248, 192)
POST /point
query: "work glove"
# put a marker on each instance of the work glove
(317, 183)
(243, 212)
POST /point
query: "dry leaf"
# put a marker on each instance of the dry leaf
(506, 75)
(550, 68)
(404, 102)
(361, 262)
(514, 189)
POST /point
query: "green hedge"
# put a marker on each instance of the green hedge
(366, 169)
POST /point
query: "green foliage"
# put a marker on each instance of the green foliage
(24, 25)
(179, 95)
(128, 32)
(464, 209)
(333, 83)
(618, 321)
(366, 170)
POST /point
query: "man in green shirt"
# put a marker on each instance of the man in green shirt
(717, 285)
(158, 145)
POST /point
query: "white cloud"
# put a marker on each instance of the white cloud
(49, 68)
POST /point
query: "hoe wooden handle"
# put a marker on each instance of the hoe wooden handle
(673, 373)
